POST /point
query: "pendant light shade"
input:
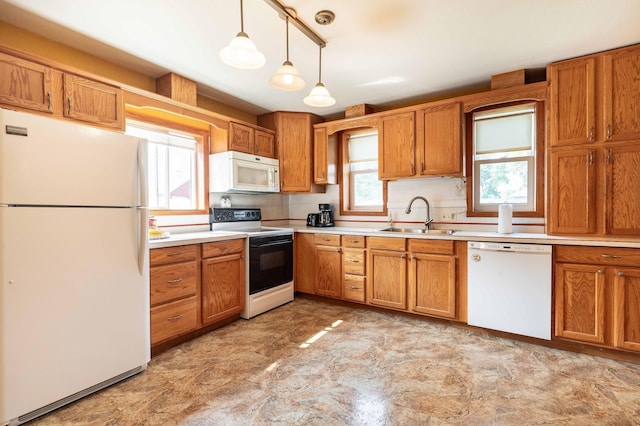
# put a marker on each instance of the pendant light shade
(319, 96)
(241, 52)
(287, 77)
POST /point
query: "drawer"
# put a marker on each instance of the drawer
(353, 261)
(161, 256)
(598, 255)
(386, 243)
(431, 246)
(353, 287)
(173, 319)
(327, 239)
(353, 241)
(220, 248)
(175, 281)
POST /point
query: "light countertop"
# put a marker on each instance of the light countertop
(530, 238)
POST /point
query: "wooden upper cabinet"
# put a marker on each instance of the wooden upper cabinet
(623, 189)
(396, 146)
(573, 100)
(93, 102)
(622, 94)
(241, 138)
(439, 149)
(320, 156)
(626, 306)
(25, 84)
(294, 141)
(579, 301)
(264, 144)
(572, 179)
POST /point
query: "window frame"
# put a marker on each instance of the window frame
(346, 182)
(538, 161)
(183, 125)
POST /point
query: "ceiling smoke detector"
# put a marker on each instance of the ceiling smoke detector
(325, 17)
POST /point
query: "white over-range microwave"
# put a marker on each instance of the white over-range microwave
(233, 171)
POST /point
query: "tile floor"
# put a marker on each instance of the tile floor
(313, 363)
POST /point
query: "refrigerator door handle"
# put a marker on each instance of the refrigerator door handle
(142, 174)
(143, 239)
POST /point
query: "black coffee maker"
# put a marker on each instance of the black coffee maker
(325, 217)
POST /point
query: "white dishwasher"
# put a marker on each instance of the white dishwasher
(509, 287)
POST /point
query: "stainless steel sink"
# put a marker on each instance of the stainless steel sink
(420, 231)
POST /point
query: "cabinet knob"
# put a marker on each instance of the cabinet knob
(621, 274)
(601, 271)
(403, 256)
(338, 250)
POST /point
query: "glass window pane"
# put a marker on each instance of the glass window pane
(504, 182)
(367, 189)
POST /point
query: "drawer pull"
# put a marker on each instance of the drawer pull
(49, 101)
(611, 256)
(621, 274)
(326, 239)
(403, 256)
(178, 253)
(69, 105)
(354, 261)
(225, 247)
(176, 281)
(353, 287)
(354, 241)
(176, 318)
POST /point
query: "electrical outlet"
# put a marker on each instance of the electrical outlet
(448, 215)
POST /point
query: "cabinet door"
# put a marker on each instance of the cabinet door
(432, 283)
(294, 152)
(328, 271)
(241, 138)
(320, 156)
(264, 144)
(626, 307)
(579, 301)
(573, 97)
(305, 263)
(25, 84)
(396, 149)
(441, 151)
(387, 279)
(623, 190)
(94, 102)
(572, 180)
(223, 287)
(621, 94)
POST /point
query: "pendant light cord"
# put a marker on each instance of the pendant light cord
(287, 20)
(241, 17)
(320, 67)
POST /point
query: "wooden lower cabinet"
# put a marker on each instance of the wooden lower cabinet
(432, 278)
(354, 270)
(386, 272)
(597, 296)
(327, 266)
(304, 253)
(223, 280)
(174, 291)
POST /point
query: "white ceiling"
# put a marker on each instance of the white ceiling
(378, 52)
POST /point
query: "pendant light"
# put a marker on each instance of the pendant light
(319, 96)
(287, 77)
(241, 52)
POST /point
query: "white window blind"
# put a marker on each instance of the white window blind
(504, 130)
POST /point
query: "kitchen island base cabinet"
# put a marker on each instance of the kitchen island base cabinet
(223, 280)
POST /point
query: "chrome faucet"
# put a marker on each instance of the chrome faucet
(428, 220)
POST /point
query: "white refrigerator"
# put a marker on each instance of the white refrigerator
(74, 291)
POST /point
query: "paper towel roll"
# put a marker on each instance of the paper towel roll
(505, 215)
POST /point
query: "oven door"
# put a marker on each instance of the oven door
(270, 261)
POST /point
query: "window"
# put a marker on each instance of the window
(175, 167)
(506, 158)
(362, 192)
